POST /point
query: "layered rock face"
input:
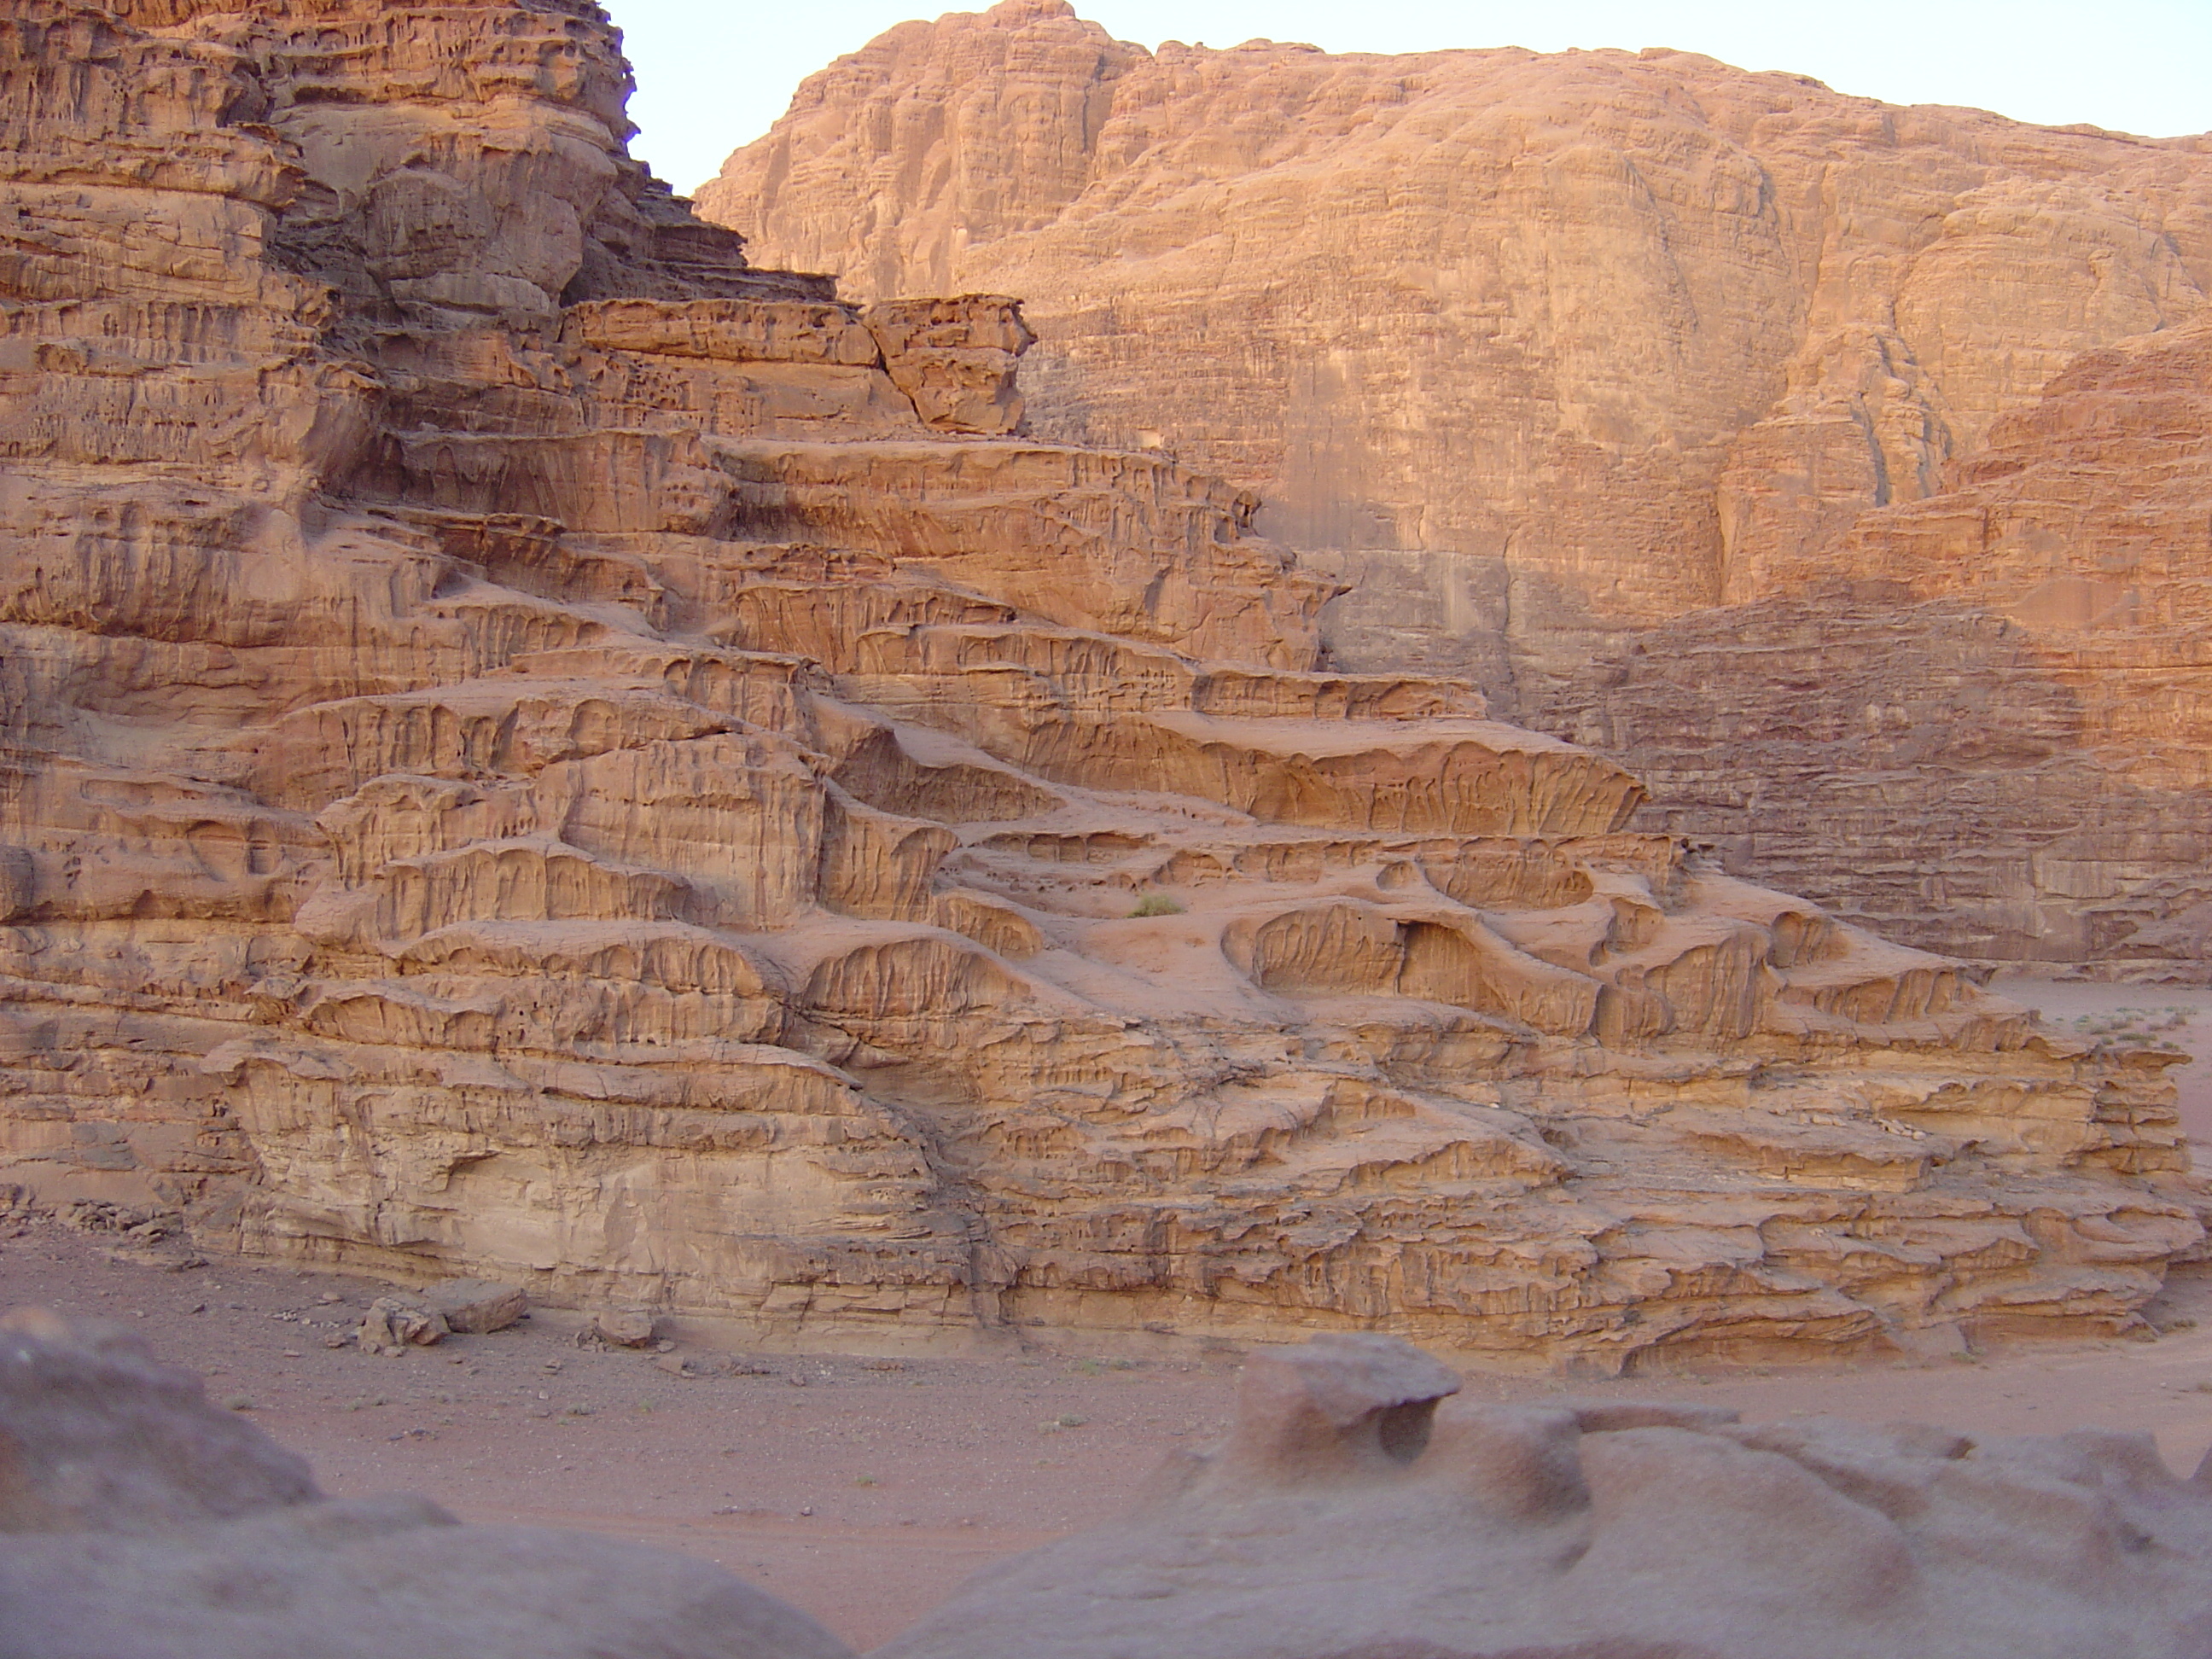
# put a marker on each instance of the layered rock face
(537, 747)
(1355, 1509)
(2034, 635)
(1580, 370)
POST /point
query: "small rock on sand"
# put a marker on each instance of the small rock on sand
(471, 1306)
(396, 1323)
(626, 1327)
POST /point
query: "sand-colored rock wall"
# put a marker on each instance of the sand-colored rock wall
(534, 746)
(2033, 637)
(1592, 374)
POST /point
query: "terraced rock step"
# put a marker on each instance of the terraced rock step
(610, 769)
(1841, 468)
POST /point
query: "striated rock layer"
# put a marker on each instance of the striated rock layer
(2035, 635)
(1592, 374)
(535, 747)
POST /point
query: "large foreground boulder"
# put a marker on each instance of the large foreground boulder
(138, 1519)
(1347, 1518)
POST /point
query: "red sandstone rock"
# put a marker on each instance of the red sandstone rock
(1577, 368)
(536, 748)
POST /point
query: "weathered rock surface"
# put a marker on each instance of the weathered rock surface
(537, 749)
(394, 1324)
(95, 1437)
(1342, 1517)
(137, 1518)
(623, 1327)
(2009, 697)
(473, 1306)
(1590, 373)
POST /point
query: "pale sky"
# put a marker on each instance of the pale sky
(715, 74)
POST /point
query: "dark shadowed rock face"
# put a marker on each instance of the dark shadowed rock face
(137, 1518)
(1615, 1531)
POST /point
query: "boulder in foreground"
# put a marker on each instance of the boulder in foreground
(137, 1518)
(1351, 1512)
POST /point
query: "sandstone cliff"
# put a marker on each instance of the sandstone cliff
(534, 745)
(1591, 374)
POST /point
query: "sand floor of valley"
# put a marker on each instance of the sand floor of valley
(2176, 1016)
(864, 1490)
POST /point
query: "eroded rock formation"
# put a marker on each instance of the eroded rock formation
(1593, 374)
(2034, 635)
(1346, 1514)
(534, 746)
(135, 1517)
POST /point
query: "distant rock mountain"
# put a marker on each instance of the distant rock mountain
(1630, 384)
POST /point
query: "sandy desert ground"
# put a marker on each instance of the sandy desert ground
(2179, 1016)
(864, 1489)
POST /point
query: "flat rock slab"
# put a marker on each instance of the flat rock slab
(472, 1306)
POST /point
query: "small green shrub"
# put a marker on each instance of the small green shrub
(1157, 904)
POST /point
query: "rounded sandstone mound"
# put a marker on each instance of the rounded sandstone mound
(137, 1518)
(1347, 1515)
